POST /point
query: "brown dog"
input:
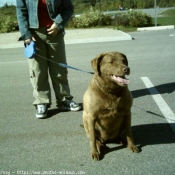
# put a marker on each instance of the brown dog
(107, 103)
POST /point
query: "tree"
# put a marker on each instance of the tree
(6, 5)
(93, 2)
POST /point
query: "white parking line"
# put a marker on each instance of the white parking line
(163, 106)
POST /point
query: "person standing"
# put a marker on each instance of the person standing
(43, 21)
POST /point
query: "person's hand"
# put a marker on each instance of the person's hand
(27, 41)
(53, 30)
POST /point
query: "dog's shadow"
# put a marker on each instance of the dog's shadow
(149, 134)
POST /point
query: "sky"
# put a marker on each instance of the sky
(9, 2)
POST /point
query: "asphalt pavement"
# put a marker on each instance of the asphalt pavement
(58, 145)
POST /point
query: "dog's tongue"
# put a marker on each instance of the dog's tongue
(120, 80)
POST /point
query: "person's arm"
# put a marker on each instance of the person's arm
(67, 10)
(23, 21)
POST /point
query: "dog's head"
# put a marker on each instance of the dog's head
(112, 66)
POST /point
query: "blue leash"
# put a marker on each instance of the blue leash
(30, 51)
(66, 66)
(70, 67)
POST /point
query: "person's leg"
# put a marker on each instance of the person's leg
(56, 50)
(38, 67)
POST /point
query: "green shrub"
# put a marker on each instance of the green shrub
(139, 19)
(133, 19)
(7, 25)
(93, 18)
(121, 19)
(90, 18)
(107, 20)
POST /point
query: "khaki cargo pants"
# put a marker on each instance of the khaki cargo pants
(52, 48)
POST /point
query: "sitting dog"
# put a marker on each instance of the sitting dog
(107, 103)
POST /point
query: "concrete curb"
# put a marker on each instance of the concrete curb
(75, 36)
(119, 36)
(95, 35)
(155, 28)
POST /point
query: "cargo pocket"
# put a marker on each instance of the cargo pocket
(32, 77)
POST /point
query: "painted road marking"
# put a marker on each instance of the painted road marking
(172, 34)
(163, 106)
(13, 62)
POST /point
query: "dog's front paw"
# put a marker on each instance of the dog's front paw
(133, 148)
(95, 155)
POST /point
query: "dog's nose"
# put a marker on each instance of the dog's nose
(126, 70)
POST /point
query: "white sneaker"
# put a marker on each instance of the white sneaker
(70, 105)
(41, 111)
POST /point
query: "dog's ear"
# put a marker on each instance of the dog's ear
(96, 63)
(126, 60)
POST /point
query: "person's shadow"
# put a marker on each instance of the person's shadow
(162, 89)
(53, 112)
(154, 134)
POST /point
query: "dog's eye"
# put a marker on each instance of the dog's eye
(111, 62)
